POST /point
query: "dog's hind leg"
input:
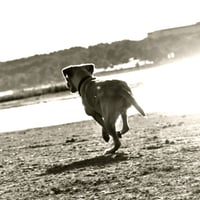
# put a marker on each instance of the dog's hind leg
(125, 127)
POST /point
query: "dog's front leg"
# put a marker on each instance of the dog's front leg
(99, 119)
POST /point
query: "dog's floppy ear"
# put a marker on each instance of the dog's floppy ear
(67, 71)
(89, 67)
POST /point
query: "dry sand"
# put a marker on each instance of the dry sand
(159, 159)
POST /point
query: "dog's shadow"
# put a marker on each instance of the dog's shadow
(96, 161)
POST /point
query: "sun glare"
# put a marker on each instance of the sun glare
(171, 88)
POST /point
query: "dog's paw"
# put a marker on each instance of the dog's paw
(105, 136)
(119, 134)
(112, 150)
(109, 152)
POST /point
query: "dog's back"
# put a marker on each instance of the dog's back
(113, 94)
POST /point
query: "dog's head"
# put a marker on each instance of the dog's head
(74, 74)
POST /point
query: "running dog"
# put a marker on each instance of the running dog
(105, 101)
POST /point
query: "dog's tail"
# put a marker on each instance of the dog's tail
(128, 95)
(138, 108)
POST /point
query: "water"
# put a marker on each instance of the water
(171, 89)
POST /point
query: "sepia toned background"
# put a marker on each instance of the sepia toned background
(49, 147)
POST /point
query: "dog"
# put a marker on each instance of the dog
(105, 101)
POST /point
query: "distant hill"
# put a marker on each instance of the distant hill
(45, 69)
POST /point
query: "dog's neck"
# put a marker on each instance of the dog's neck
(83, 81)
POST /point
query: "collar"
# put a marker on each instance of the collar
(87, 78)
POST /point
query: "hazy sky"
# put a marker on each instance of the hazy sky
(29, 27)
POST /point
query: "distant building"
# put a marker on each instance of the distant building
(175, 31)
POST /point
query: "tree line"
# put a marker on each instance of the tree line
(44, 69)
